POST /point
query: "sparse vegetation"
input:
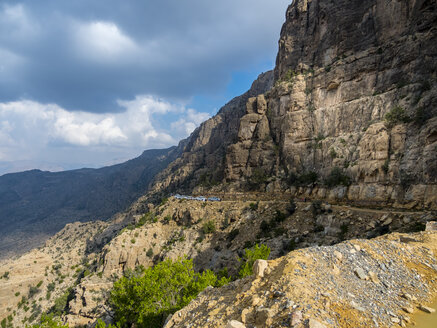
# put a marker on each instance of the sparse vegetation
(254, 206)
(48, 321)
(208, 227)
(395, 116)
(337, 177)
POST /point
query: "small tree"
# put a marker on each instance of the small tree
(148, 299)
(250, 256)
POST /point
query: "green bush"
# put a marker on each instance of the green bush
(148, 299)
(250, 256)
(279, 216)
(33, 290)
(61, 303)
(308, 178)
(337, 177)
(254, 206)
(304, 179)
(149, 252)
(146, 218)
(396, 115)
(208, 227)
(291, 207)
(48, 321)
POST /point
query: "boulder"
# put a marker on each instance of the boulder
(259, 268)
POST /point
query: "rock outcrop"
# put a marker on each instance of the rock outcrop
(355, 89)
(315, 287)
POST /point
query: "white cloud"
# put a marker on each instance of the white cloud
(28, 128)
(102, 40)
(189, 122)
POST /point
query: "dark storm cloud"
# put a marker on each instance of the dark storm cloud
(88, 54)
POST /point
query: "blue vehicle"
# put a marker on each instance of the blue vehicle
(214, 199)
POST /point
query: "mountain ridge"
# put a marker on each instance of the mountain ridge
(36, 204)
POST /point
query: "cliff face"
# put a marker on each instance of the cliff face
(355, 88)
(203, 153)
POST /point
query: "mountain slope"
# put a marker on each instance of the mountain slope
(37, 204)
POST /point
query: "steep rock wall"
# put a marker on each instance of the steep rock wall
(355, 88)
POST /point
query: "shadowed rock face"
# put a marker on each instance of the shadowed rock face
(35, 204)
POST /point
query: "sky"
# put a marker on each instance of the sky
(96, 82)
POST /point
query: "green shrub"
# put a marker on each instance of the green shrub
(61, 303)
(146, 218)
(48, 321)
(208, 227)
(291, 207)
(332, 153)
(396, 115)
(150, 252)
(254, 206)
(308, 178)
(337, 177)
(344, 228)
(5, 275)
(264, 226)
(279, 216)
(148, 299)
(249, 258)
(167, 219)
(33, 290)
(164, 200)
(51, 287)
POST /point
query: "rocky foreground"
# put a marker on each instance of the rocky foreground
(72, 274)
(358, 283)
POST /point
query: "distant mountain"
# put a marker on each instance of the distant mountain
(36, 204)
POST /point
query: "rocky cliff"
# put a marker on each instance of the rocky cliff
(351, 116)
(202, 162)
